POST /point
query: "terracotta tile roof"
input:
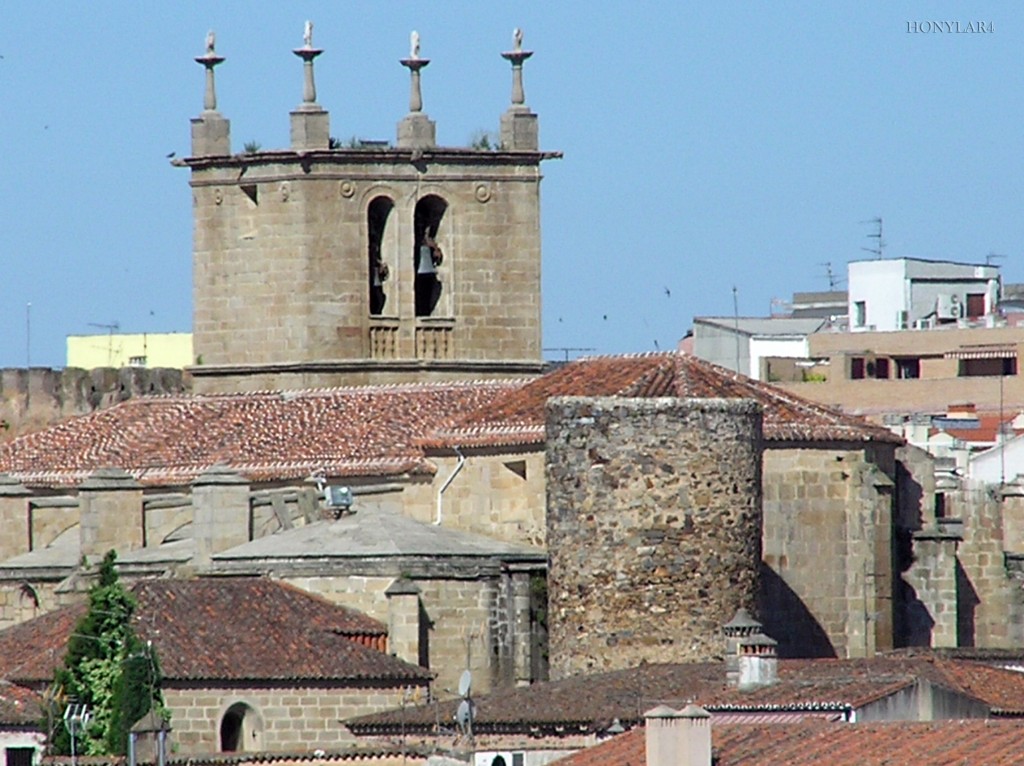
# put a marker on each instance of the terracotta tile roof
(225, 629)
(517, 416)
(391, 755)
(591, 702)
(810, 743)
(355, 431)
(19, 707)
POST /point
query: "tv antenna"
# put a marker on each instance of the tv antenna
(833, 280)
(111, 328)
(993, 257)
(879, 248)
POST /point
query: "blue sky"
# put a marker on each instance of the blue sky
(706, 145)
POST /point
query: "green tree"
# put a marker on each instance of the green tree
(107, 668)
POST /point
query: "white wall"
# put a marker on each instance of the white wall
(881, 285)
(790, 348)
(988, 466)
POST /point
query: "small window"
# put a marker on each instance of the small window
(908, 368)
(20, 756)
(857, 368)
(881, 369)
(136, 361)
(940, 505)
(860, 313)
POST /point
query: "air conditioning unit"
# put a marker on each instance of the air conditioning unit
(500, 758)
(948, 306)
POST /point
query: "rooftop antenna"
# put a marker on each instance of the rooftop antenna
(833, 280)
(111, 328)
(879, 248)
(736, 325)
(993, 257)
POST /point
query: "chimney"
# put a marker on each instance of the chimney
(678, 737)
(741, 626)
(758, 662)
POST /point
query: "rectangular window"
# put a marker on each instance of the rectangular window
(860, 313)
(857, 368)
(20, 756)
(907, 369)
(881, 369)
(976, 368)
(137, 361)
(940, 505)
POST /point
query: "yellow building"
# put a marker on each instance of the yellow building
(166, 349)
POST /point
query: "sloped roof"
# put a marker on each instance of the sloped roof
(224, 630)
(356, 431)
(19, 707)
(375, 534)
(591, 702)
(516, 417)
(810, 743)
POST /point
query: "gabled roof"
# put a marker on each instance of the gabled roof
(589, 703)
(810, 743)
(225, 630)
(357, 431)
(516, 417)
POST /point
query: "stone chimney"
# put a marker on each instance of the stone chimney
(110, 504)
(211, 133)
(220, 499)
(741, 626)
(758, 662)
(678, 737)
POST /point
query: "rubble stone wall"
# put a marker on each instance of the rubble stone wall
(654, 527)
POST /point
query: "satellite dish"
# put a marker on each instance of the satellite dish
(465, 683)
(464, 716)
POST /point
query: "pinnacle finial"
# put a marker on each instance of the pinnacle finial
(209, 60)
(307, 34)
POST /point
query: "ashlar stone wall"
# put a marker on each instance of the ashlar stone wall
(654, 527)
(828, 549)
(279, 719)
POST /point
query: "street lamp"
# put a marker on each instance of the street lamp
(76, 719)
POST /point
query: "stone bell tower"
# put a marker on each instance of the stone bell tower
(318, 265)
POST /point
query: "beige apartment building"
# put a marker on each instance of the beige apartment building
(908, 370)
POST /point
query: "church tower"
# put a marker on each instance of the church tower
(322, 265)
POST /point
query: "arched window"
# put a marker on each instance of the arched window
(377, 217)
(240, 729)
(427, 254)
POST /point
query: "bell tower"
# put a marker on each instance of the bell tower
(322, 265)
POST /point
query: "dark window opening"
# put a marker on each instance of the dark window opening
(907, 369)
(20, 756)
(881, 369)
(239, 729)
(427, 255)
(377, 216)
(856, 368)
(971, 368)
(940, 505)
(231, 730)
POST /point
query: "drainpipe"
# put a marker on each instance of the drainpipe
(447, 483)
